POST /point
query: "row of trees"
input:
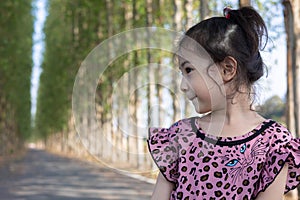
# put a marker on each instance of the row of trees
(16, 32)
(131, 94)
(74, 27)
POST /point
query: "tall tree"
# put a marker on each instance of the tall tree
(204, 9)
(178, 15)
(132, 85)
(52, 109)
(291, 15)
(292, 26)
(16, 43)
(188, 9)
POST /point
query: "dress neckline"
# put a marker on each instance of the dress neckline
(232, 140)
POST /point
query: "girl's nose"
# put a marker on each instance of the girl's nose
(183, 85)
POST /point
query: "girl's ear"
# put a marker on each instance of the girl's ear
(228, 68)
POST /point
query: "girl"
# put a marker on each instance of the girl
(255, 158)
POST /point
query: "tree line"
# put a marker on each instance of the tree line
(72, 29)
(16, 42)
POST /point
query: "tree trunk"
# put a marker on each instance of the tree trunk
(178, 26)
(151, 75)
(291, 18)
(296, 54)
(132, 137)
(178, 15)
(204, 10)
(127, 117)
(188, 7)
(292, 118)
(110, 134)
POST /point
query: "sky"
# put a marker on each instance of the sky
(274, 84)
(38, 49)
(276, 81)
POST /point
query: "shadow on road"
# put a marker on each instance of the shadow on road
(43, 176)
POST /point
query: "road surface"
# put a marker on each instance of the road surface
(43, 176)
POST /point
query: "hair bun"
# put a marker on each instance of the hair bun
(253, 26)
(255, 68)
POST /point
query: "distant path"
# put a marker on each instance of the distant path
(43, 176)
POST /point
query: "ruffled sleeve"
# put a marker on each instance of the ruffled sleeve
(284, 149)
(164, 150)
(292, 149)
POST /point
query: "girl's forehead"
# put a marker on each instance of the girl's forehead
(193, 59)
(193, 53)
(189, 51)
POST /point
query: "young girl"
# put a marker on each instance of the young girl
(231, 152)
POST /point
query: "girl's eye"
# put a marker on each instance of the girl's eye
(188, 70)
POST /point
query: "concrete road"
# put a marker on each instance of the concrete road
(43, 176)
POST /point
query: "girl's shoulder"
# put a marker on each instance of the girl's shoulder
(283, 149)
(164, 145)
(185, 124)
(188, 129)
(280, 126)
(278, 130)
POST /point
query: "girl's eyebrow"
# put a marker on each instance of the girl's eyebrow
(182, 64)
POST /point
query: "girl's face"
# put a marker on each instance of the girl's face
(202, 85)
(194, 87)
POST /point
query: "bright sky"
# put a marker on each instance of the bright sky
(38, 48)
(275, 84)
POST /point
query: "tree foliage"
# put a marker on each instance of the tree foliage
(273, 108)
(74, 27)
(16, 32)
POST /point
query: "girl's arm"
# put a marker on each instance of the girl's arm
(276, 189)
(162, 189)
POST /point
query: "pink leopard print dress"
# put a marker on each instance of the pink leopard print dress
(204, 167)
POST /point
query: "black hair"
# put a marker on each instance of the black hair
(240, 34)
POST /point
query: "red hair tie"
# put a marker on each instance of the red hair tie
(226, 11)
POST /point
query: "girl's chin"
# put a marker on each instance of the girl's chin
(199, 109)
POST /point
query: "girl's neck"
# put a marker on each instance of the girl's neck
(237, 118)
